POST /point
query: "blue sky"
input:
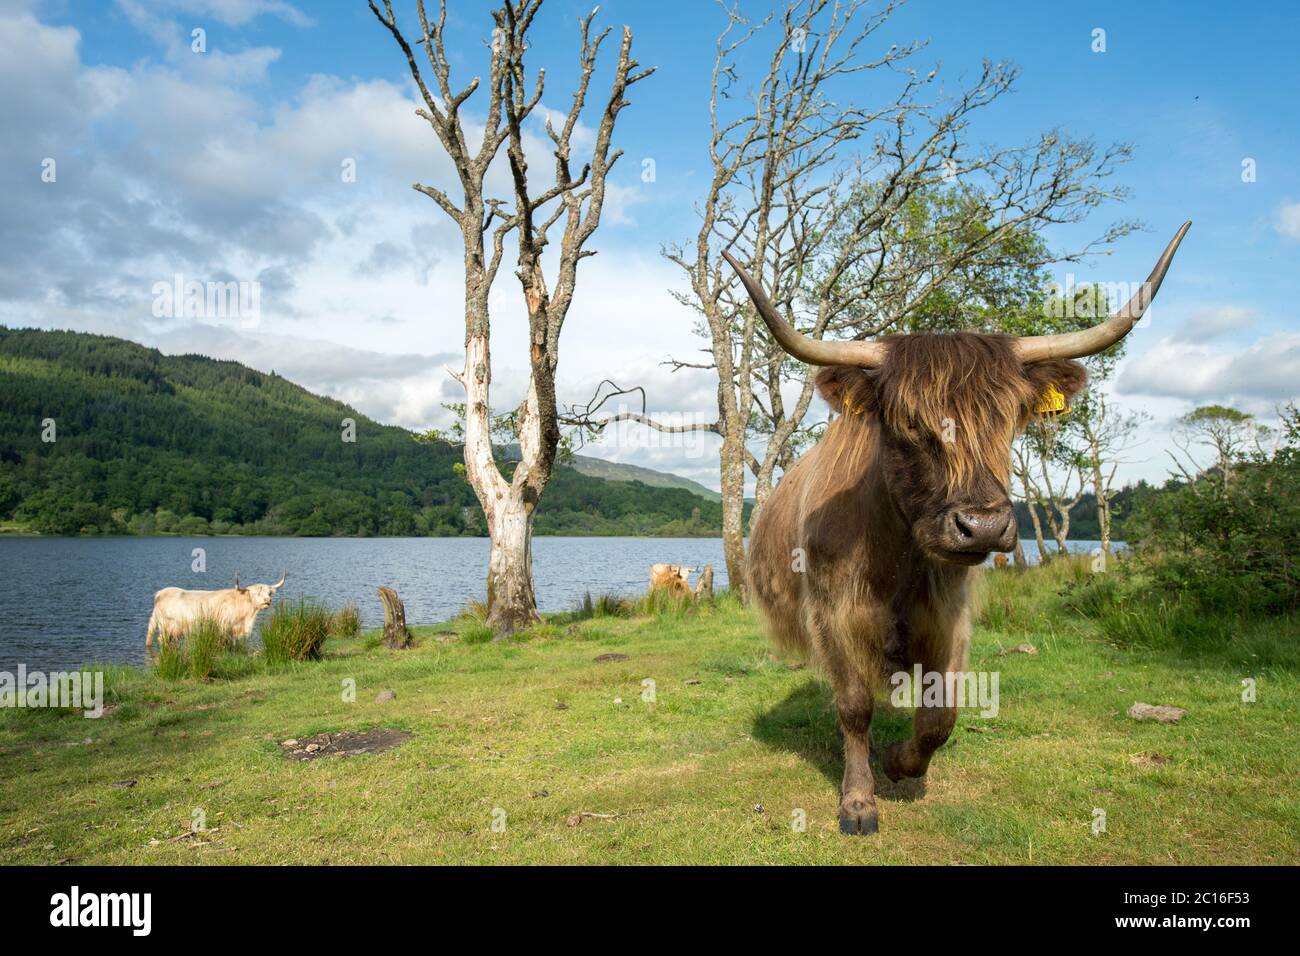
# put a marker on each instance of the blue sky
(226, 164)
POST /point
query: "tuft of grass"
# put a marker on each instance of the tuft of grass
(476, 634)
(173, 660)
(664, 603)
(594, 608)
(1015, 601)
(346, 622)
(475, 612)
(197, 652)
(1129, 611)
(207, 641)
(546, 630)
(295, 632)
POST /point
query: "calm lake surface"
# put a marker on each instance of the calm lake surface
(70, 601)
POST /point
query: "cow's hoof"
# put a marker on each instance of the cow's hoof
(858, 818)
(866, 825)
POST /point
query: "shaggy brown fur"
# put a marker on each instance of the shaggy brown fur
(845, 558)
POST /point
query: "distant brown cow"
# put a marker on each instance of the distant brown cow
(999, 560)
(235, 609)
(670, 577)
(860, 558)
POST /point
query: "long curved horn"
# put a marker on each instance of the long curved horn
(1070, 345)
(805, 347)
(280, 583)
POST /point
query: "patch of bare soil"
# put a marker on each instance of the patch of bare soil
(1151, 759)
(345, 743)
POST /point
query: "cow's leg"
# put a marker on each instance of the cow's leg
(858, 789)
(930, 729)
(853, 704)
(931, 726)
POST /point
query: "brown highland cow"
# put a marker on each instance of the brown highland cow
(861, 558)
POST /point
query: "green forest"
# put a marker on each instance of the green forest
(99, 435)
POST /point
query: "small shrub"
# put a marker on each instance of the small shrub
(1127, 611)
(346, 621)
(296, 632)
(1225, 541)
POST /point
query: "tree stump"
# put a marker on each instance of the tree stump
(704, 586)
(396, 635)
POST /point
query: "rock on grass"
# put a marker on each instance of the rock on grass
(1158, 712)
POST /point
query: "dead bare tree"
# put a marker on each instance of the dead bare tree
(1107, 433)
(525, 218)
(1023, 458)
(820, 198)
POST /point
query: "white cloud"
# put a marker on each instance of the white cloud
(1215, 320)
(1288, 220)
(231, 13)
(1262, 374)
(192, 175)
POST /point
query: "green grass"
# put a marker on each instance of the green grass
(346, 621)
(712, 771)
(199, 653)
(297, 631)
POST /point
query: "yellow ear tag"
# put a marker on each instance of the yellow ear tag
(1051, 402)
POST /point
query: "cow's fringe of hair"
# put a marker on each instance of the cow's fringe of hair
(965, 391)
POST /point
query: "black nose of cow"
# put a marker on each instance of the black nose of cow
(981, 529)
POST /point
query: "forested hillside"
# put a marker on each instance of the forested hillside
(101, 435)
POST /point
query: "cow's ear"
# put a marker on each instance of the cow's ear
(1065, 375)
(847, 389)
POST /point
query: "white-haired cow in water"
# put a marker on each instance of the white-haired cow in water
(234, 609)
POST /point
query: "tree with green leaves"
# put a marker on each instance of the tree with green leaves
(1226, 431)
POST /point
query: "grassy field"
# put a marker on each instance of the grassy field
(735, 746)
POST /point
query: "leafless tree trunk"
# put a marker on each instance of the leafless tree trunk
(704, 586)
(396, 635)
(510, 504)
(1106, 433)
(1022, 471)
(1062, 503)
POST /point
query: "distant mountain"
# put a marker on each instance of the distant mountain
(618, 471)
(102, 435)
